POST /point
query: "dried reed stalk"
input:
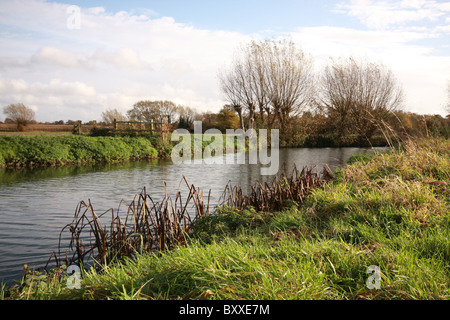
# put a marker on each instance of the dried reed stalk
(150, 226)
(274, 196)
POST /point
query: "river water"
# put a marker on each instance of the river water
(35, 204)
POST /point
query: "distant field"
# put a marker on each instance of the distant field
(40, 129)
(35, 133)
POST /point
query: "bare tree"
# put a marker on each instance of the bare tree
(357, 95)
(290, 80)
(168, 110)
(237, 85)
(145, 111)
(158, 110)
(186, 117)
(231, 90)
(109, 115)
(19, 113)
(271, 76)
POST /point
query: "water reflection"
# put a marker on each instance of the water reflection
(36, 204)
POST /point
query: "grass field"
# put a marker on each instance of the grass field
(389, 210)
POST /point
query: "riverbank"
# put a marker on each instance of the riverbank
(388, 210)
(48, 151)
(54, 150)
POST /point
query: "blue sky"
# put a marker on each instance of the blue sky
(126, 51)
(247, 16)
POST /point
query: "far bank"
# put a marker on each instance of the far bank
(48, 151)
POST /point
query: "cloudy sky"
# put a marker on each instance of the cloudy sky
(115, 53)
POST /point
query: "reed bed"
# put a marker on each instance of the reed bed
(147, 226)
(150, 226)
(282, 190)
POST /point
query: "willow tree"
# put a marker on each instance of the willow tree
(358, 95)
(241, 84)
(270, 77)
(290, 80)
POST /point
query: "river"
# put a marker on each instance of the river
(35, 204)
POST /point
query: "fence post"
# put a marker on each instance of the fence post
(115, 124)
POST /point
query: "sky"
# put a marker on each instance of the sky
(74, 60)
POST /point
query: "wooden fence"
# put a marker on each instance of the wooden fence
(125, 127)
(142, 127)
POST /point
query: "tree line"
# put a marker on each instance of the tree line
(178, 116)
(273, 84)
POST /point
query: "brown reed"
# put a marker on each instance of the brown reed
(150, 226)
(283, 189)
(147, 226)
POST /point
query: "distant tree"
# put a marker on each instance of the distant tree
(109, 115)
(158, 110)
(227, 119)
(357, 95)
(59, 122)
(168, 110)
(186, 117)
(19, 114)
(238, 109)
(208, 119)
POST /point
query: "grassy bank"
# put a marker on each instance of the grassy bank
(296, 140)
(23, 151)
(387, 210)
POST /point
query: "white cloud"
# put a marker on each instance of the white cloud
(122, 58)
(117, 59)
(58, 57)
(58, 98)
(134, 54)
(55, 87)
(422, 75)
(384, 14)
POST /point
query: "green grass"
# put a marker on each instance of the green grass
(18, 151)
(390, 210)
